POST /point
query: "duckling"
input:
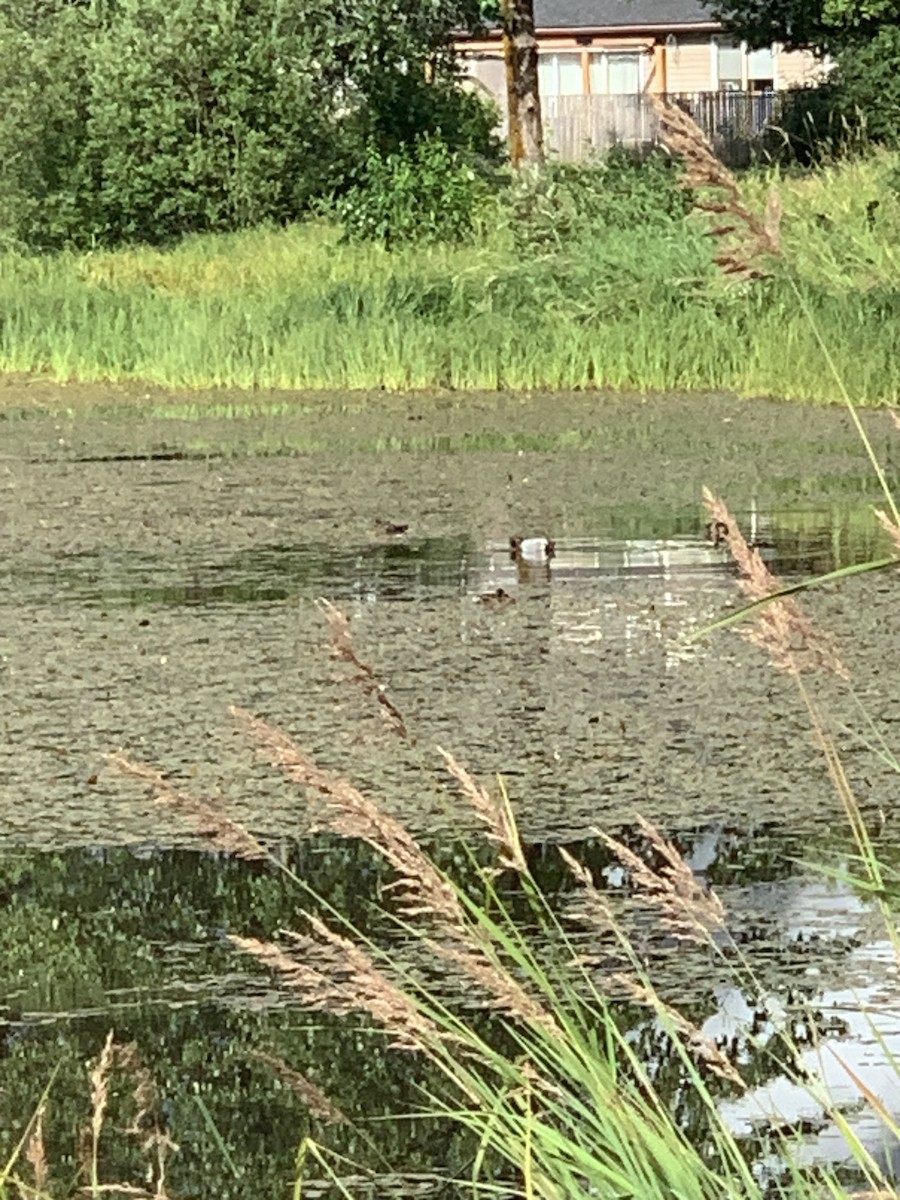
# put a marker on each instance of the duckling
(499, 596)
(532, 549)
(388, 528)
(717, 532)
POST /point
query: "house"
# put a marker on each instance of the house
(600, 60)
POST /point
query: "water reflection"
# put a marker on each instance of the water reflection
(155, 965)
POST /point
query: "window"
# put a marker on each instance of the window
(761, 70)
(737, 69)
(560, 74)
(728, 65)
(615, 73)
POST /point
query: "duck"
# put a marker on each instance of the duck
(388, 528)
(717, 532)
(531, 549)
(498, 596)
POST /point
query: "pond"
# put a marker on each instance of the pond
(162, 561)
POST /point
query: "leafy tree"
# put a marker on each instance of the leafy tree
(146, 119)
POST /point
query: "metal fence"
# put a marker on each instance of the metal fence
(578, 127)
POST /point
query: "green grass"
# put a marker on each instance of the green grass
(638, 308)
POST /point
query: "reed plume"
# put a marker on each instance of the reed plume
(686, 908)
(342, 647)
(36, 1154)
(209, 821)
(311, 1095)
(422, 889)
(347, 813)
(792, 642)
(500, 825)
(702, 1048)
(594, 910)
(334, 975)
(99, 1079)
(745, 239)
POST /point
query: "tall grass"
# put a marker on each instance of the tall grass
(634, 308)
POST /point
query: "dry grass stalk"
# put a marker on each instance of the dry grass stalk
(335, 976)
(498, 819)
(99, 1078)
(215, 827)
(342, 647)
(120, 1189)
(36, 1154)
(890, 527)
(420, 886)
(696, 1042)
(349, 814)
(146, 1123)
(594, 911)
(792, 642)
(313, 1097)
(746, 241)
(686, 909)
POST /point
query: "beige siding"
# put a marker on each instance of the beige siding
(488, 75)
(796, 67)
(689, 66)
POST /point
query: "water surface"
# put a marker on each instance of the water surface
(158, 568)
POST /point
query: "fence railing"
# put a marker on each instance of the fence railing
(577, 127)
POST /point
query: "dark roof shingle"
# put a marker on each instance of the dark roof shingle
(624, 14)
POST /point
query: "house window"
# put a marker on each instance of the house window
(737, 69)
(761, 70)
(728, 65)
(560, 74)
(615, 73)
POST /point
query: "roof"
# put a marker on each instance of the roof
(620, 14)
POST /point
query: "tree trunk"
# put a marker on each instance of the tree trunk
(526, 130)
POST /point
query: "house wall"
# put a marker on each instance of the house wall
(689, 64)
(800, 67)
(682, 63)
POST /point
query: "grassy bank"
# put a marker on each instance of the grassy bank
(639, 307)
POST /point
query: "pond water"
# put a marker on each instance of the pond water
(161, 563)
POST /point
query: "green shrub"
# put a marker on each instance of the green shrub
(570, 201)
(868, 78)
(144, 120)
(426, 192)
(859, 104)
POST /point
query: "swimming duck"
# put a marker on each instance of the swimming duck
(388, 528)
(532, 549)
(499, 596)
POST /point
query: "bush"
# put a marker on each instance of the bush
(143, 121)
(857, 105)
(570, 202)
(815, 125)
(426, 192)
(44, 193)
(868, 81)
